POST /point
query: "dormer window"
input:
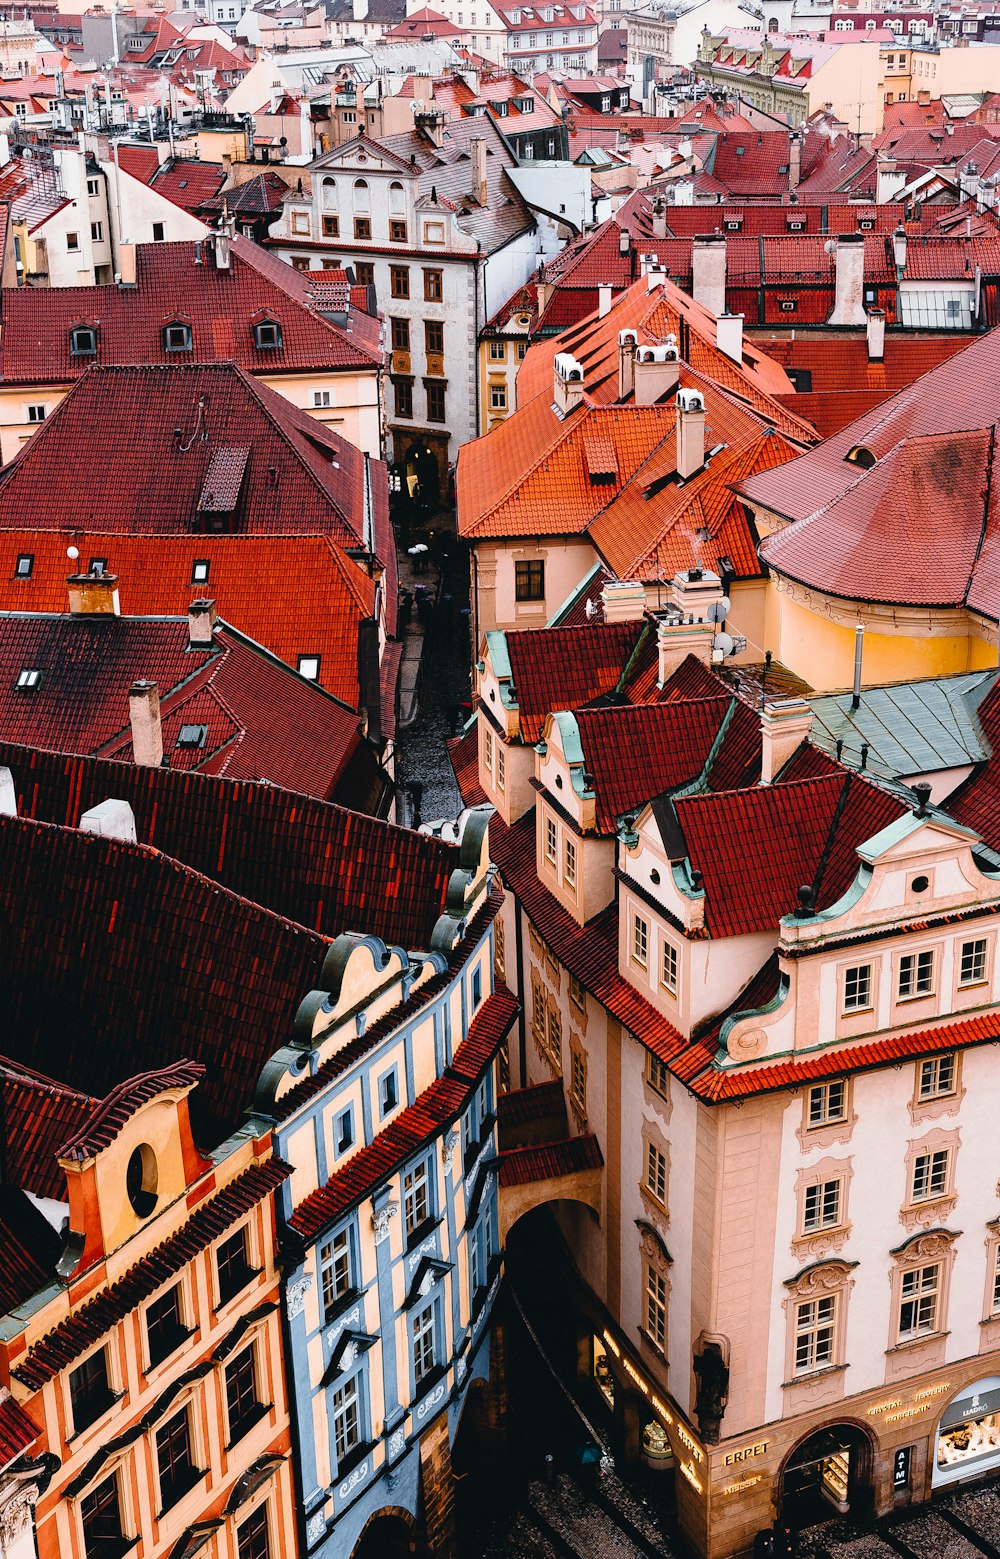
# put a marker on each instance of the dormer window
(861, 456)
(25, 563)
(177, 337)
(29, 677)
(192, 736)
(83, 341)
(267, 335)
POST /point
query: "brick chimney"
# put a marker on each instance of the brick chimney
(708, 267)
(477, 149)
(784, 725)
(690, 432)
(147, 731)
(876, 335)
(202, 618)
(93, 595)
(849, 297)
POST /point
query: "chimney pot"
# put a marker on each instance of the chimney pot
(147, 731)
(690, 435)
(784, 725)
(202, 617)
(93, 595)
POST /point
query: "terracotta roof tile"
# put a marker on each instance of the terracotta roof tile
(18, 1431)
(635, 753)
(564, 668)
(38, 1116)
(523, 1166)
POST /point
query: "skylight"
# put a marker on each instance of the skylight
(192, 736)
(29, 677)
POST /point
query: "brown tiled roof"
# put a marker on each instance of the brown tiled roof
(37, 1116)
(565, 668)
(94, 1320)
(522, 1166)
(17, 1430)
(121, 1104)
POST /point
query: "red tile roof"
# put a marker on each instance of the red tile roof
(112, 1113)
(440, 1103)
(318, 865)
(18, 1431)
(110, 458)
(635, 753)
(39, 1115)
(535, 1102)
(756, 847)
(93, 1320)
(181, 280)
(186, 182)
(977, 802)
(549, 1160)
(564, 668)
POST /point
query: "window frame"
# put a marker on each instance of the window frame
(982, 944)
(813, 1318)
(655, 1307)
(858, 1003)
(94, 1401)
(915, 1299)
(399, 281)
(237, 1428)
(930, 1071)
(433, 285)
(172, 1335)
(669, 967)
(224, 1292)
(333, 1255)
(182, 329)
(917, 971)
(424, 1345)
(189, 1472)
(418, 1196)
(529, 580)
(639, 941)
(120, 1535)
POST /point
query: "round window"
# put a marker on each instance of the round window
(920, 884)
(140, 1181)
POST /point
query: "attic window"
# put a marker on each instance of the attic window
(140, 1181)
(308, 667)
(83, 341)
(861, 456)
(177, 337)
(734, 225)
(267, 335)
(29, 677)
(25, 563)
(866, 224)
(192, 736)
(199, 571)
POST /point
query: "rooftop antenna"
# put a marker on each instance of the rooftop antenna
(763, 680)
(859, 650)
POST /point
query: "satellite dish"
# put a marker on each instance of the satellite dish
(72, 552)
(719, 610)
(722, 645)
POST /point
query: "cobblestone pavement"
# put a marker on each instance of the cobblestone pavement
(961, 1525)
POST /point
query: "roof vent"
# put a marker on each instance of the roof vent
(922, 791)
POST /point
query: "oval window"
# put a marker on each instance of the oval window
(140, 1181)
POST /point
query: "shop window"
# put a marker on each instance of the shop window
(968, 1440)
(858, 988)
(529, 581)
(916, 975)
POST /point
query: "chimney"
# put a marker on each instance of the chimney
(848, 303)
(685, 627)
(603, 300)
(899, 249)
(93, 595)
(359, 98)
(656, 275)
(624, 241)
(201, 624)
(876, 335)
(624, 601)
(430, 123)
(729, 336)
(708, 265)
(125, 275)
(784, 725)
(628, 340)
(8, 794)
(690, 432)
(477, 147)
(111, 820)
(147, 732)
(656, 370)
(695, 593)
(659, 217)
(567, 384)
(794, 160)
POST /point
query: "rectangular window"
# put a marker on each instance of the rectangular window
(331, 226)
(364, 273)
(424, 1349)
(97, 232)
(346, 1419)
(821, 1206)
(101, 1515)
(498, 397)
(322, 398)
(388, 1092)
(400, 333)
(416, 1198)
(501, 768)
(995, 1309)
(529, 581)
(158, 232)
(555, 1038)
(175, 1460)
(499, 946)
(243, 1405)
(435, 402)
(403, 389)
(433, 286)
(815, 1333)
(656, 1307)
(858, 988)
(551, 840)
(335, 1271)
(232, 1265)
(577, 994)
(399, 281)
(477, 988)
(916, 974)
(73, 242)
(640, 941)
(827, 1103)
(930, 1175)
(433, 337)
(343, 1131)
(165, 1329)
(937, 1077)
(569, 864)
(972, 969)
(36, 413)
(25, 563)
(397, 231)
(301, 223)
(668, 968)
(362, 227)
(252, 1541)
(200, 569)
(918, 1302)
(657, 1075)
(498, 351)
(537, 1008)
(90, 1390)
(656, 1173)
(488, 751)
(578, 1081)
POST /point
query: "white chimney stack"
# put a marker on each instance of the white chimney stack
(567, 383)
(708, 267)
(876, 335)
(656, 369)
(690, 432)
(111, 820)
(849, 296)
(8, 794)
(202, 617)
(899, 249)
(784, 725)
(147, 732)
(628, 342)
(603, 300)
(729, 336)
(686, 628)
(624, 600)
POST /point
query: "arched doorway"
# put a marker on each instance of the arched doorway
(827, 1475)
(386, 1536)
(421, 476)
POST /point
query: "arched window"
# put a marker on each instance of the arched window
(329, 194)
(397, 199)
(361, 202)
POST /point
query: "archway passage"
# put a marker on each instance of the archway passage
(386, 1536)
(828, 1475)
(421, 475)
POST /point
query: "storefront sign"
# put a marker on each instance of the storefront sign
(687, 1468)
(744, 1483)
(976, 1405)
(969, 1432)
(895, 1409)
(901, 1467)
(657, 1402)
(746, 1453)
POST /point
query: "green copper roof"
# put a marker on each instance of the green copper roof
(910, 728)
